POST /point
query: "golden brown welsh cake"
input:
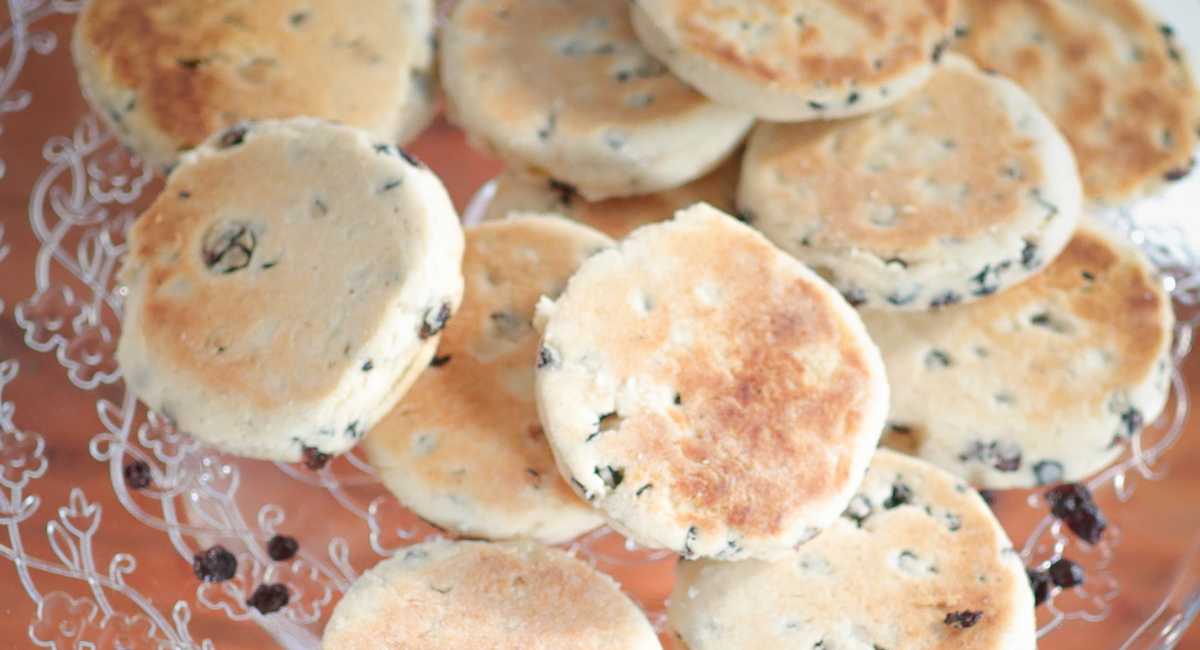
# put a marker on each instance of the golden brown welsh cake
(614, 217)
(287, 286)
(794, 60)
(1109, 73)
(464, 449)
(563, 89)
(918, 562)
(164, 74)
(473, 595)
(1042, 383)
(961, 190)
(708, 392)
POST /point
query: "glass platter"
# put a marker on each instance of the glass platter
(87, 563)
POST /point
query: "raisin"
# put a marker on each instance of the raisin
(611, 476)
(1072, 503)
(546, 357)
(938, 51)
(855, 297)
(282, 547)
(438, 323)
(438, 362)
(687, 542)
(900, 496)
(988, 281)
(563, 191)
(964, 619)
(852, 99)
(1133, 421)
(1039, 581)
(945, 300)
(1181, 172)
(1006, 456)
(268, 599)
(816, 106)
(229, 248)
(214, 565)
(1029, 258)
(137, 474)
(233, 136)
(314, 459)
(900, 299)
(859, 510)
(1066, 574)
(1047, 472)
(936, 358)
(411, 159)
(368, 366)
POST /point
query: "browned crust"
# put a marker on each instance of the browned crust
(479, 595)
(217, 327)
(964, 138)
(480, 399)
(196, 68)
(763, 429)
(1110, 76)
(580, 92)
(895, 38)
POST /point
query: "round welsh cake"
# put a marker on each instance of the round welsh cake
(464, 449)
(165, 74)
(959, 191)
(707, 391)
(1111, 75)
(614, 217)
(563, 89)
(287, 286)
(473, 595)
(917, 562)
(1042, 383)
(796, 60)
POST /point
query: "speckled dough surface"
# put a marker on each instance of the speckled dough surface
(1111, 75)
(795, 60)
(961, 190)
(473, 595)
(165, 74)
(614, 217)
(464, 448)
(1041, 383)
(708, 392)
(287, 286)
(914, 546)
(563, 89)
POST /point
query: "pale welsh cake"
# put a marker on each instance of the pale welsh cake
(798, 60)
(962, 190)
(471, 595)
(917, 562)
(464, 449)
(1113, 77)
(707, 391)
(1045, 382)
(614, 217)
(562, 89)
(165, 74)
(286, 287)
